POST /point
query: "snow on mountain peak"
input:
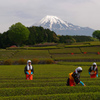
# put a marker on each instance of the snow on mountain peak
(62, 27)
(52, 20)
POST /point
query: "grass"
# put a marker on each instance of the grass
(49, 83)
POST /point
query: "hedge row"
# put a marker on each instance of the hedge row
(47, 90)
(32, 48)
(75, 96)
(65, 50)
(75, 57)
(49, 83)
(78, 63)
(43, 84)
(24, 61)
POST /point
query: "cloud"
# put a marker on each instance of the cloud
(79, 12)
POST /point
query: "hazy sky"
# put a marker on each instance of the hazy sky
(78, 12)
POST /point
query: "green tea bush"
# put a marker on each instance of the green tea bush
(90, 49)
(30, 54)
(65, 51)
(49, 82)
(8, 62)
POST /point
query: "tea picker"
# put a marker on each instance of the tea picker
(93, 71)
(29, 70)
(74, 77)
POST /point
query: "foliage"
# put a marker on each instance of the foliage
(4, 40)
(65, 50)
(40, 35)
(49, 83)
(78, 63)
(30, 54)
(22, 61)
(66, 39)
(95, 43)
(32, 48)
(35, 61)
(18, 33)
(76, 57)
(90, 49)
(49, 61)
(44, 53)
(7, 54)
(83, 38)
(8, 62)
(96, 34)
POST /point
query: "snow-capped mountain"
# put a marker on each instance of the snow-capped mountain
(62, 27)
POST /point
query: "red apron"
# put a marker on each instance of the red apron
(71, 80)
(30, 76)
(93, 75)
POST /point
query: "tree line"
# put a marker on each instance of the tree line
(20, 35)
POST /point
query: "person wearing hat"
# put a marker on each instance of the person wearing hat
(74, 77)
(93, 71)
(29, 70)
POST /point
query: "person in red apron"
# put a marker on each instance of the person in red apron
(74, 77)
(93, 71)
(29, 70)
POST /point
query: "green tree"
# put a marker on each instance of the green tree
(4, 40)
(96, 34)
(18, 33)
(32, 36)
(82, 38)
(66, 39)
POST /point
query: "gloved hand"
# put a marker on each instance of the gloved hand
(27, 73)
(96, 75)
(82, 83)
(31, 72)
(89, 73)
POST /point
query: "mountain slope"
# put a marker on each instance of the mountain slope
(62, 27)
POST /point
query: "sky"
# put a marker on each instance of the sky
(84, 13)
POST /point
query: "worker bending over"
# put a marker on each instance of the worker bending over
(74, 77)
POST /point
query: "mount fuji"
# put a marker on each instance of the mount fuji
(61, 27)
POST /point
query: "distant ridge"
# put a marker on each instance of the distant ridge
(62, 27)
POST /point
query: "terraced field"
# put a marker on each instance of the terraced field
(75, 57)
(30, 54)
(91, 49)
(65, 51)
(49, 83)
(26, 54)
(6, 54)
(52, 52)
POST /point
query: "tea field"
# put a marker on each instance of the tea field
(86, 53)
(49, 83)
